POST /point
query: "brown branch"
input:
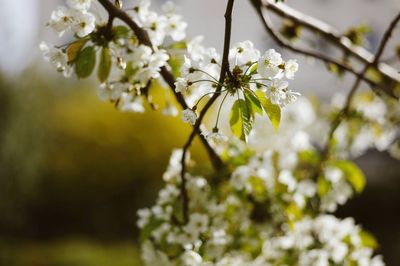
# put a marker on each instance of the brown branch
(331, 35)
(346, 109)
(141, 34)
(196, 127)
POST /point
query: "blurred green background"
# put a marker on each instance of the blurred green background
(74, 170)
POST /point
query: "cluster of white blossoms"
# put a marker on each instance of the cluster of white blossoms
(249, 72)
(374, 123)
(274, 208)
(255, 217)
(126, 68)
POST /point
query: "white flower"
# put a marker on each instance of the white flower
(195, 48)
(289, 97)
(269, 64)
(305, 188)
(275, 90)
(198, 223)
(148, 63)
(174, 166)
(169, 8)
(175, 27)
(286, 177)
(169, 110)
(112, 92)
(314, 257)
(240, 177)
(189, 116)
(333, 174)
(84, 24)
(212, 57)
(144, 217)
(372, 107)
(181, 85)
(151, 256)
(155, 26)
(62, 19)
(142, 10)
(57, 58)
(300, 141)
(82, 5)
(243, 53)
(291, 68)
(191, 258)
(158, 59)
(129, 103)
(216, 137)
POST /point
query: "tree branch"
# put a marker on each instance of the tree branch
(330, 35)
(141, 34)
(346, 109)
(196, 128)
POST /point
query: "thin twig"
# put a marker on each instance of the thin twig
(144, 39)
(224, 71)
(346, 109)
(330, 35)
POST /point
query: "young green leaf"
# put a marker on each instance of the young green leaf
(85, 62)
(368, 240)
(273, 110)
(353, 174)
(74, 49)
(105, 64)
(120, 31)
(323, 186)
(241, 120)
(253, 101)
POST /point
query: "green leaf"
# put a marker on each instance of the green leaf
(273, 110)
(323, 186)
(368, 240)
(253, 69)
(145, 233)
(179, 45)
(357, 34)
(105, 64)
(175, 63)
(353, 174)
(74, 49)
(85, 62)
(120, 32)
(241, 121)
(253, 101)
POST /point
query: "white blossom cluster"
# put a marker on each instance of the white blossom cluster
(249, 70)
(133, 66)
(323, 240)
(254, 218)
(273, 209)
(128, 68)
(74, 17)
(374, 124)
